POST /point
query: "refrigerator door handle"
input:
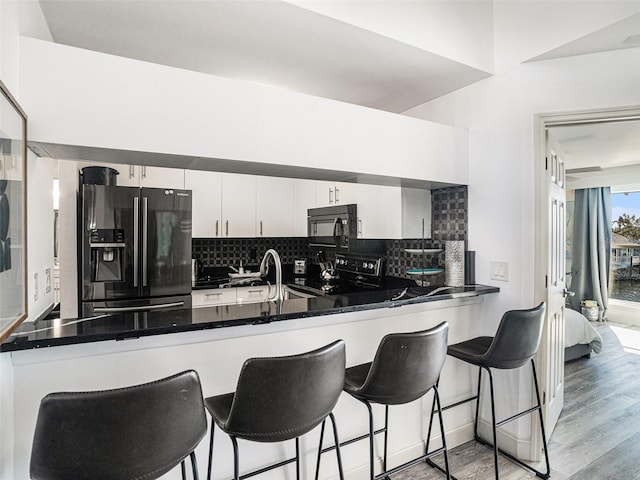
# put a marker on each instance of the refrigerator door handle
(136, 238)
(137, 309)
(145, 239)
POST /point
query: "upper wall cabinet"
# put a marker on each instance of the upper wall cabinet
(416, 213)
(274, 207)
(206, 214)
(304, 198)
(143, 176)
(238, 205)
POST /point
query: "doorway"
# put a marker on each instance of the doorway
(551, 285)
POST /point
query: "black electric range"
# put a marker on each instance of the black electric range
(351, 273)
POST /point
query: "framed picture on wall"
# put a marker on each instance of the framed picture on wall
(13, 214)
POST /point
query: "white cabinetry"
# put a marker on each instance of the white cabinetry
(206, 213)
(212, 297)
(274, 207)
(143, 176)
(416, 213)
(238, 205)
(378, 210)
(335, 193)
(229, 296)
(304, 198)
(258, 293)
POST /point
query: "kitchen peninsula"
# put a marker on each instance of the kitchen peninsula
(119, 350)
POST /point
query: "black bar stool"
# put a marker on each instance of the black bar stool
(142, 431)
(405, 368)
(278, 399)
(515, 343)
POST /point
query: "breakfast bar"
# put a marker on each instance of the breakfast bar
(125, 349)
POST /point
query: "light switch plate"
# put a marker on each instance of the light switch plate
(500, 271)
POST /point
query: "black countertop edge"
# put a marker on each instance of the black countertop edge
(57, 332)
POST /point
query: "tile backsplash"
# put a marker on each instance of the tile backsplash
(449, 222)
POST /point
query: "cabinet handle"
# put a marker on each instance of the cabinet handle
(227, 228)
(251, 292)
(337, 197)
(144, 171)
(213, 294)
(330, 196)
(132, 171)
(217, 227)
(359, 227)
(260, 227)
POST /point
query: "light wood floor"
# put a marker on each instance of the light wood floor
(598, 434)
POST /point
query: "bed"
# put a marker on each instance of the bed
(580, 338)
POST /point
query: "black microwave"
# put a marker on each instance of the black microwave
(332, 227)
(336, 228)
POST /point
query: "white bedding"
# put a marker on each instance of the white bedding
(579, 330)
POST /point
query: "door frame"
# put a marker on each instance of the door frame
(542, 121)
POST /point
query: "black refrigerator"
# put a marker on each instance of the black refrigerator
(134, 249)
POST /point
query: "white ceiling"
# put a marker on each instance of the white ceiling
(287, 46)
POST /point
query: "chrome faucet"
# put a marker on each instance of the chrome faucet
(264, 269)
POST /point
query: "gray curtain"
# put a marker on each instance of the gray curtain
(591, 255)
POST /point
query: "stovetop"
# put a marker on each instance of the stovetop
(352, 273)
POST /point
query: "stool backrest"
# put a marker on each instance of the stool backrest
(517, 339)
(406, 365)
(127, 433)
(280, 398)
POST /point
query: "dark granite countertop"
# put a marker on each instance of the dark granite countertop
(55, 332)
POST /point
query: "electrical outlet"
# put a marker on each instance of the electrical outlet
(47, 280)
(500, 271)
(35, 287)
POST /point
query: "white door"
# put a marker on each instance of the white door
(551, 356)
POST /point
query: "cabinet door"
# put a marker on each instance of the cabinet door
(253, 294)
(161, 177)
(416, 213)
(274, 207)
(127, 174)
(378, 210)
(304, 198)
(238, 205)
(213, 296)
(206, 212)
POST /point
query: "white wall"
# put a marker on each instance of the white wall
(460, 30)
(40, 234)
(106, 101)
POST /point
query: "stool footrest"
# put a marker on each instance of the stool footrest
(267, 468)
(410, 463)
(350, 441)
(433, 464)
(506, 454)
(461, 402)
(517, 415)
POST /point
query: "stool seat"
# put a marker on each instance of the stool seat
(278, 399)
(471, 351)
(142, 431)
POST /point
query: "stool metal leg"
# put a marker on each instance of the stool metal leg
(386, 434)
(496, 424)
(297, 458)
(371, 433)
(544, 436)
(436, 407)
(320, 448)
(210, 465)
(475, 423)
(194, 465)
(337, 443)
(493, 424)
(236, 459)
